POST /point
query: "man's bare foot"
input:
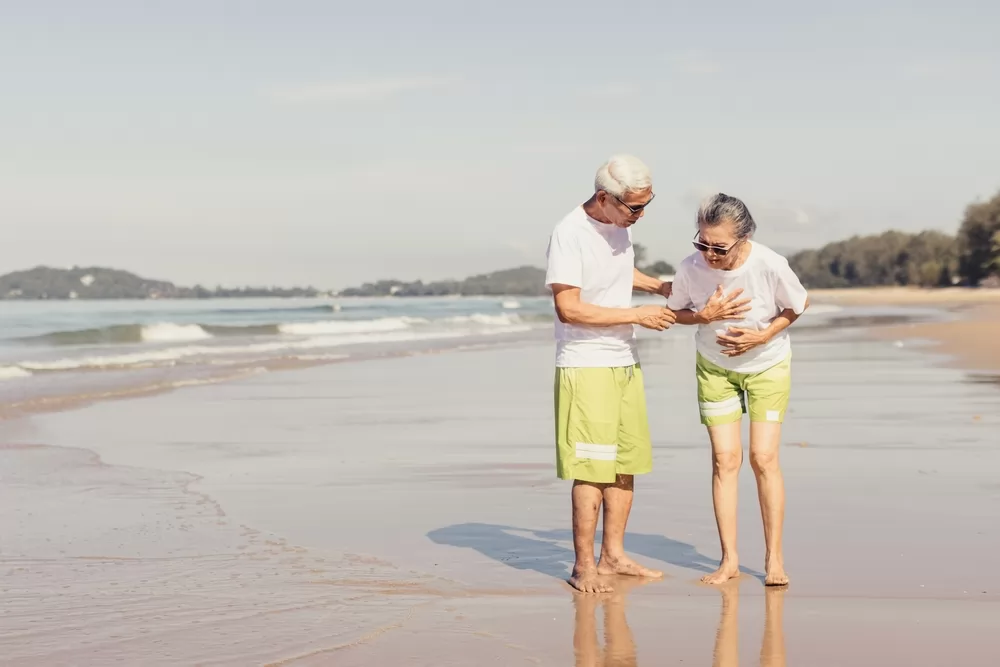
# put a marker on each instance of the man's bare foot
(728, 569)
(588, 580)
(624, 565)
(775, 573)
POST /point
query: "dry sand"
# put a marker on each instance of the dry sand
(405, 511)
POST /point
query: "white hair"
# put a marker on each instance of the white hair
(621, 174)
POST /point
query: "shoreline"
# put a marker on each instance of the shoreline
(969, 340)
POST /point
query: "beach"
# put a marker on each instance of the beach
(401, 507)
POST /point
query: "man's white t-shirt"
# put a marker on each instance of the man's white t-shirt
(599, 259)
(766, 278)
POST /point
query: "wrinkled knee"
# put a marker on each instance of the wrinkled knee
(727, 463)
(764, 462)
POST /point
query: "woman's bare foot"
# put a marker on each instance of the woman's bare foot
(624, 565)
(728, 569)
(775, 572)
(588, 580)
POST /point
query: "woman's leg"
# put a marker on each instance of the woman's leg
(727, 456)
(767, 398)
(765, 439)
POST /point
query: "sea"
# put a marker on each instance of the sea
(56, 353)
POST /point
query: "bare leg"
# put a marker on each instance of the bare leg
(772, 649)
(617, 505)
(765, 438)
(727, 457)
(587, 499)
(727, 639)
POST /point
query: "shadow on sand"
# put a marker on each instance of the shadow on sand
(543, 550)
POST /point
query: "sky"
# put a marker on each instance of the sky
(330, 143)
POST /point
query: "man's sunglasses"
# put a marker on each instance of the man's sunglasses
(635, 209)
(718, 250)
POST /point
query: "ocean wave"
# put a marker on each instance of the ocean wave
(349, 326)
(13, 372)
(179, 354)
(175, 332)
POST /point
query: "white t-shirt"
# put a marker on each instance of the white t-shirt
(598, 258)
(765, 278)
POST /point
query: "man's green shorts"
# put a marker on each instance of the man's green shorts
(723, 396)
(601, 426)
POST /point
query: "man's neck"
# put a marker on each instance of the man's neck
(591, 208)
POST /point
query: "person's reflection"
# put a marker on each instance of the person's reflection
(772, 648)
(619, 646)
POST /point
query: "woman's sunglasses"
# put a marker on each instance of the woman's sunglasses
(718, 250)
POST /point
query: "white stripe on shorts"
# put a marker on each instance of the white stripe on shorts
(721, 408)
(588, 450)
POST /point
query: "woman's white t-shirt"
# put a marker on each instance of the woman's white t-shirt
(766, 279)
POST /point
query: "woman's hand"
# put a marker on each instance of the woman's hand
(722, 307)
(736, 341)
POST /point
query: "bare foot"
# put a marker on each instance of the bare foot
(775, 573)
(625, 566)
(728, 569)
(588, 580)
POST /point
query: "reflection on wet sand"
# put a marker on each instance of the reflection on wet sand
(619, 645)
(772, 647)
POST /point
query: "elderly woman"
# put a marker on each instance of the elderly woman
(743, 296)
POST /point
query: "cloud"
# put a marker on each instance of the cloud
(949, 67)
(695, 63)
(353, 92)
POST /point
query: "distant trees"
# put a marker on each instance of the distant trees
(979, 241)
(927, 259)
(657, 268)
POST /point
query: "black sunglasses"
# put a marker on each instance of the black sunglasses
(718, 250)
(635, 209)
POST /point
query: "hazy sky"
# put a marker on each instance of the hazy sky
(330, 142)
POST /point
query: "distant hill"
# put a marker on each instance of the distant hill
(521, 281)
(43, 282)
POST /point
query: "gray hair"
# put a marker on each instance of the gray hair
(621, 174)
(720, 207)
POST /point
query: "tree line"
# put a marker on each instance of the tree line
(925, 259)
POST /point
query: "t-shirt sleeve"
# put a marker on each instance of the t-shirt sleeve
(565, 263)
(789, 292)
(680, 291)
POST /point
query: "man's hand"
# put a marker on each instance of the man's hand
(665, 289)
(654, 317)
(737, 341)
(722, 307)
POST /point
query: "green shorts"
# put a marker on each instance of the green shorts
(601, 426)
(723, 396)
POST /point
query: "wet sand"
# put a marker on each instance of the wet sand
(405, 511)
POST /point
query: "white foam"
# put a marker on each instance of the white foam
(511, 304)
(167, 332)
(501, 320)
(349, 326)
(13, 372)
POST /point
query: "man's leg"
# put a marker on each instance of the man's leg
(767, 394)
(722, 412)
(587, 416)
(634, 457)
(586, 505)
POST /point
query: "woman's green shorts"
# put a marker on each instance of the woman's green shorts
(723, 396)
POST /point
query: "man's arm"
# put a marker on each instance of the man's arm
(572, 310)
(643, 283)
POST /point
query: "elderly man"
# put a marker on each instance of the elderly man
(602, 433)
